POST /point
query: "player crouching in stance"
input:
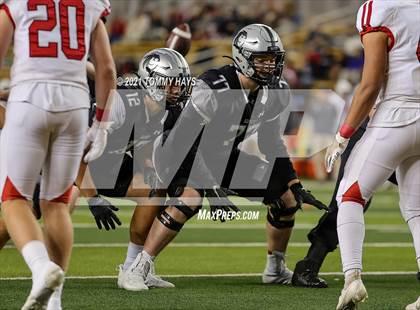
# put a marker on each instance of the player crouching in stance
(162, 98)
(251, 94)
(46, 125)
(390, 35)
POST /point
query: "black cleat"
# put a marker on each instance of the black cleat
(306, 275)
(418, 275)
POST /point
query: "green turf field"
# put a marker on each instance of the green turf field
(217, 266)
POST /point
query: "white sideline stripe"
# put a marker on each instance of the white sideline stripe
(382, 227)
(226, 275)
(234, 245)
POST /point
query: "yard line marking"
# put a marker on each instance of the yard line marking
(227, 275)
(233, 245)
(379, 227)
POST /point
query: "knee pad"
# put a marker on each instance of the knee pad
(278, 209)
(167, 220)
(175, 190)
(181, 206)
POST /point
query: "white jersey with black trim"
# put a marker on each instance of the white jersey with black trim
(400, 21)
(52, 39)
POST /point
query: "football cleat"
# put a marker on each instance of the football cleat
(43, 287)
(152, 280)
(133, 278)
(306, 275)
(141, 276)
(352, 295)
(276, 271)
(414, 306)
(121, 276)
(54, 304)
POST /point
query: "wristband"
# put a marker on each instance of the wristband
(346, 131)
(100, 114)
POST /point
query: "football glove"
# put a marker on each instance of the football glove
(303, 195)
(96, 139)
(103, 211)
(218, 200)
(334, 151)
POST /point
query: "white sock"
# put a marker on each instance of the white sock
(273, 265)
(147, 256)
(414, 224)
(55, 301)
(351, 233)
(132, 251)
(35, 254)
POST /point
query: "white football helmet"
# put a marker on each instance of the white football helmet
(161, 66)
(257, 40)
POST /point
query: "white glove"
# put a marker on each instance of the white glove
(335, 150)
(96, 137)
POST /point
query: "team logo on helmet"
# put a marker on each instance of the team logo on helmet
(241, 38)
(151, 62)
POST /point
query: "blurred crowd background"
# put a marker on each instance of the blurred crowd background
(323, 48)
(320, 37)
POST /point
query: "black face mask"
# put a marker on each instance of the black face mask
(179, 100)
(276, 72)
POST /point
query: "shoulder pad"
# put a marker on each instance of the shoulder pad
(373, 14)
(221, 78)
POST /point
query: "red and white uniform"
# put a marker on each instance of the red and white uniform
(46, 115)
(392, 139)
(399, 98)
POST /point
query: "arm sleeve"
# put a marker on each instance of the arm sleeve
(374, 16)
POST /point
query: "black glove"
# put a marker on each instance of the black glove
(302, 195)
(218, 200)
(151, 179)
(102, 210)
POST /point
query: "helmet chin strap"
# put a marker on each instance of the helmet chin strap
(255, 79)
(234, 61)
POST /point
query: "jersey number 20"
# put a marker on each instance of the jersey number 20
(51, 50)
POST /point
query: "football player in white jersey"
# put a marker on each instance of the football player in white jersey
(46, 125)
(390, 82)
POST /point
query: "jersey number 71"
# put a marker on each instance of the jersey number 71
(51, 50)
